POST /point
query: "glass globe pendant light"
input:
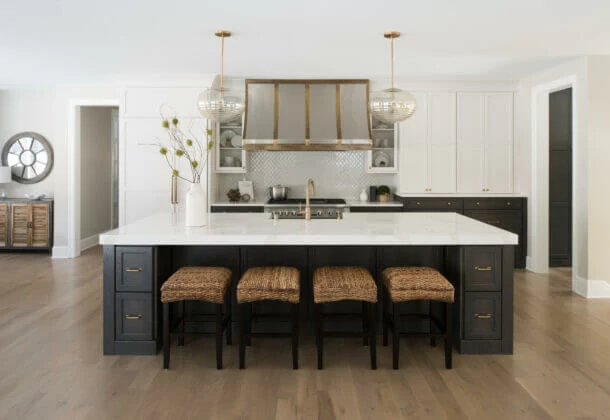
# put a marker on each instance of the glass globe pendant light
(392, 105)
(220, 104)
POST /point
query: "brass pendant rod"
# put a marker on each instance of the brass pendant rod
(222, 62)
(391, 59)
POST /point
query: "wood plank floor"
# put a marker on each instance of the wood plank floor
(51, 364)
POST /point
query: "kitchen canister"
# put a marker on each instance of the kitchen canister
(373, 193)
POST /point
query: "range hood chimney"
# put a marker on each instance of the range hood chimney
(307, 115)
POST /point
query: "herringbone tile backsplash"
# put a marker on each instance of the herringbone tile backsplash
(336, 174)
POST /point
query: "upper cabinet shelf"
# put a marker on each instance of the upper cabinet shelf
(230, 155)
(383, 157)
(305, 115)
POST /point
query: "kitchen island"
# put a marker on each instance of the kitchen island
(477, 258)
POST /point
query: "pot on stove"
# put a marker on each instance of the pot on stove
(278, 192)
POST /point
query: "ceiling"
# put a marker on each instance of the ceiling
(76, 41)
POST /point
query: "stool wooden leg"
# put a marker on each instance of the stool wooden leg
(229, 319)
(166, 336)
(319, 309)
(395, 334)
(448, 336)
(365, 322)
(384, 315)
(295, 336)
(243, 312)
(433, 337)
(373, 334)
(219, 322)
(182, 315)
(249, 328)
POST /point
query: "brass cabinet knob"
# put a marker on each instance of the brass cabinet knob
(418, 203)
(449, 203)
(508, 203)
(477, 204)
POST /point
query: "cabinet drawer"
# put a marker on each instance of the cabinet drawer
(134, 316)
(483, 269)
(482, 315)
(434, 204)
(493, 203)
(134, 269)
(238, 209)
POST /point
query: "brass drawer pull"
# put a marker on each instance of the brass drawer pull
(479, 268)
(133, 270)
(139, 316)
(482, 316)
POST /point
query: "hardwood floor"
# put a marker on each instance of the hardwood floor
(51, 364)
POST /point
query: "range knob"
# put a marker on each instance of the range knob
(319, 212)
(294, 212)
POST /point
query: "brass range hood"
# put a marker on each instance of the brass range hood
(307, 115)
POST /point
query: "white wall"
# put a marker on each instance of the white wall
(29, 110)
(96, 171)
(598, 159)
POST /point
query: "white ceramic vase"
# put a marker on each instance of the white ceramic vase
(196, 206)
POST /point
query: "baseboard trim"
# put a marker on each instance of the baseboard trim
(598, 289)
(591, 289)
(60, 252)
(89, 242)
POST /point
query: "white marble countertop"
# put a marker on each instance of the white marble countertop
(461, 195)
(239, 203)
(354, 229)
(358, 203)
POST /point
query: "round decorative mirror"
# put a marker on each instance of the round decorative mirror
(30, 157)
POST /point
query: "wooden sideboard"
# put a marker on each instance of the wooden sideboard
(26, 224)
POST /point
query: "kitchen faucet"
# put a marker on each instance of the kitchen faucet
(309, 186)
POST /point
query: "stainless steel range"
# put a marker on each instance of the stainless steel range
(294, 208)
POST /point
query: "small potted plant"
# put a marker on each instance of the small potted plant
(383, 193)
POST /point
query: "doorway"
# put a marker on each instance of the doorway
(99, 172)
(560, 178)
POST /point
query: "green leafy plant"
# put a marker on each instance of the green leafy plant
(383, 190)
(185, 145)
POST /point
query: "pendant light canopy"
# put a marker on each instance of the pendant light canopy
(220, 104)
(392, 105)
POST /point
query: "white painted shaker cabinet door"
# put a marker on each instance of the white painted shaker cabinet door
(499, 143)
(413, 146)
(470, 142)
(441, 142)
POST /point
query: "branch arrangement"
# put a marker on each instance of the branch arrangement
(185, 145)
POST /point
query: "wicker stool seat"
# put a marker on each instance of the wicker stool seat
(269, 283)
(416, 283)
(333, 284)
(209, 284)
(273, 283)
(404, 284)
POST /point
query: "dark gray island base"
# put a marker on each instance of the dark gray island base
(482, 276)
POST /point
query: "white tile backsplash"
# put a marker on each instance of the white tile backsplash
(336, 174)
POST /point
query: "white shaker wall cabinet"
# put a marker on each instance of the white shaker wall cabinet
(144, 177)
(428, 145)
(485, 142)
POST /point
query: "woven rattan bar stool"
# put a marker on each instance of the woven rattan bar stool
(209, 284)
(334, 284)
(279, 284)
(405, 284)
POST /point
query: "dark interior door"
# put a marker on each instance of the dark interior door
(560, 178)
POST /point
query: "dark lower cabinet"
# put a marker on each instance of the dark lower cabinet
(482, 315)
(237, 209)
(508, 213)
(482, 277)
(375, 209)
(134, 316)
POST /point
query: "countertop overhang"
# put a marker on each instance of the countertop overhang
(353, 229)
